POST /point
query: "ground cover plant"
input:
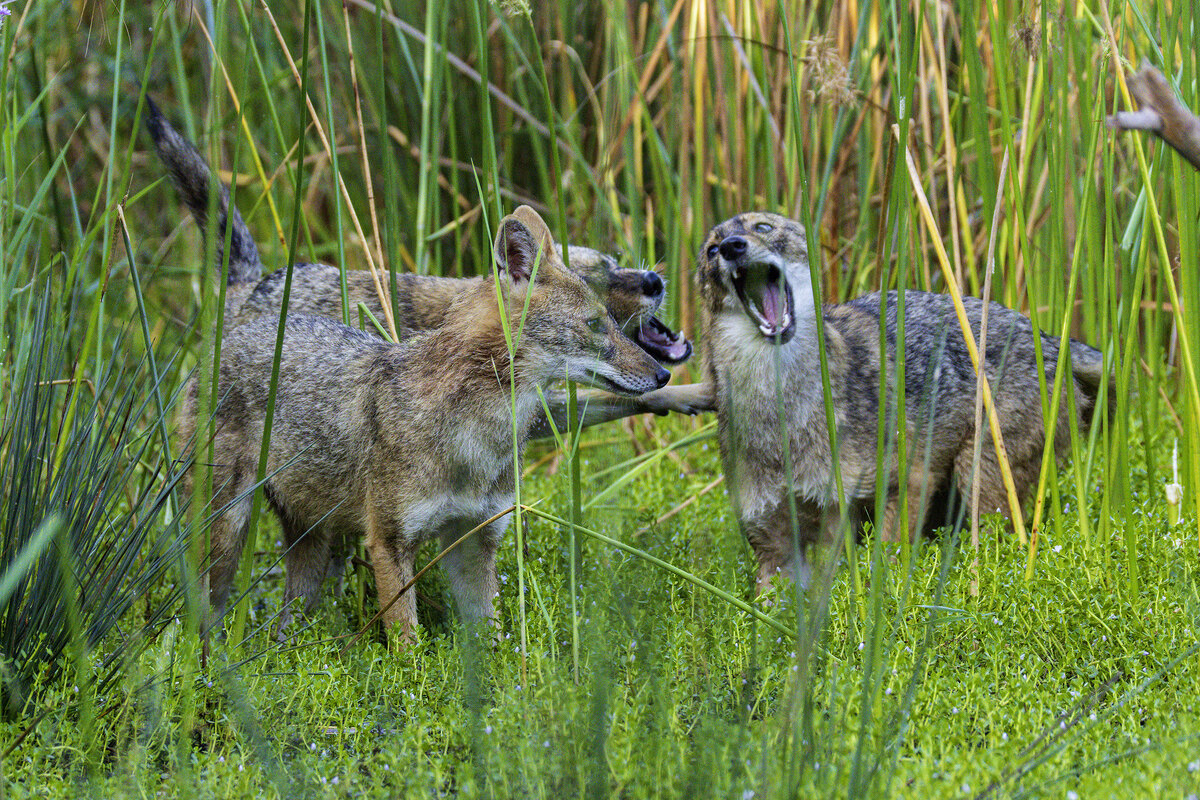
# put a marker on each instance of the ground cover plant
(923, 145)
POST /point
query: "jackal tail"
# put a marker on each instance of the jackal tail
(1089, 369)
(190, 174)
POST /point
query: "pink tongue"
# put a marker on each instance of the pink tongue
(672, 347)
(678, 350)
(770, 304)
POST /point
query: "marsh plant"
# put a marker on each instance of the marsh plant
(923, 145)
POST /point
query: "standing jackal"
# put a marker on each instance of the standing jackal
(407, 442)
(633, 296)
(762, 359)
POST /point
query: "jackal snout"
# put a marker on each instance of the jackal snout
(760, 259)
(633, 296)
(617, 364)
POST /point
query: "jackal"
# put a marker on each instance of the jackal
(633, 296)
(406, 442)
(759, 326)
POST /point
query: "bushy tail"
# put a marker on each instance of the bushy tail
(190, 174)
(1087, 365)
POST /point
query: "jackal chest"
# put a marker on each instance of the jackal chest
(771, 411)
(444, 514)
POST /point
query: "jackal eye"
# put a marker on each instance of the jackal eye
(596, 324)
(712, 251)
(763, 227)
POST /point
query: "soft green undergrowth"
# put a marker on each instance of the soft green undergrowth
(632, 127)
(1056, 684)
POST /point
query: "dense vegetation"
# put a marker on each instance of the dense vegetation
(921, 143)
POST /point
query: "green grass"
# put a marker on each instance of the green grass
(634, 128)
(687, 698)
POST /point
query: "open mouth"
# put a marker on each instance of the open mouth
(664, 344)
(767, 297)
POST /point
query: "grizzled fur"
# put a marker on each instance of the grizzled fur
(407, 442)
(760, 330)
(633, 296)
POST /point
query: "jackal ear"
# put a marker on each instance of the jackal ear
(522, 235)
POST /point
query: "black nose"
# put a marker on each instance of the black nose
(652, 285)
(662, 377)
(733, 247)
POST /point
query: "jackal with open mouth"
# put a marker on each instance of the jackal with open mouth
(761, 359)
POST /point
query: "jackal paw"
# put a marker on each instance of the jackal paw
(690, 399)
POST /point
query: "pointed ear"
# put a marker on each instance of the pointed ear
(521, 236)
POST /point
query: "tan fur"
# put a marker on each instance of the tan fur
(401, 443)
(422, 302)
(633, 296)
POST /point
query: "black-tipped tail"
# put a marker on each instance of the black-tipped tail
(190, 174)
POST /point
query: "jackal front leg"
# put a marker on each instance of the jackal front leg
(596, 406)
(392, 561)
(471, 567)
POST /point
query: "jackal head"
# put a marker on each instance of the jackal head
(633, 296)
(565, 329)
(757, 262)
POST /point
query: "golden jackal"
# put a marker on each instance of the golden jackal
(633, 296)
(762, 362)
(407, 442)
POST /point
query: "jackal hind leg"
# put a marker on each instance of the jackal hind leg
(921, 487)
(1025, 462)
(305, 566)
(227, 536)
